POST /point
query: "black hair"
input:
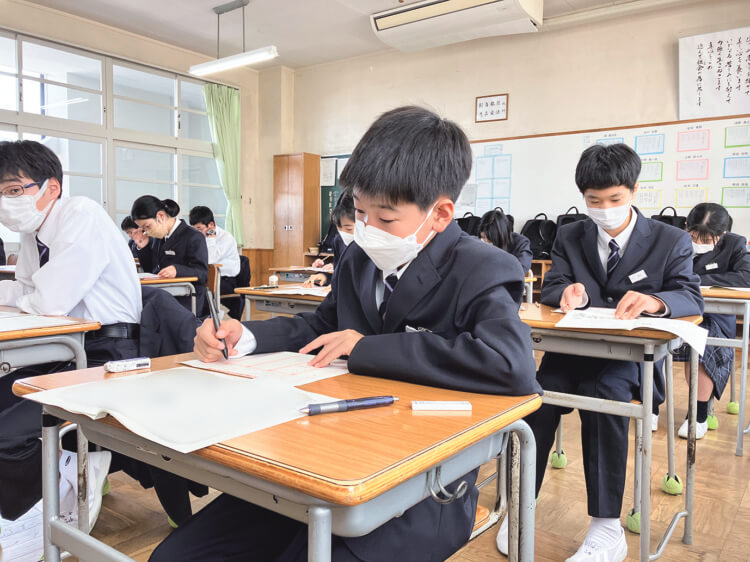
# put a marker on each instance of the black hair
(497, 228)
(412, 155)
(29, 158)
(708, 221)
(146, 207)
(344, 208)
(201, 214)
(602, 166)
(128, 223)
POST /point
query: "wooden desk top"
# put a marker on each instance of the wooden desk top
(350, 457)
(279, 292)
(542, 316)
(721, 293)
(294, 269)
(530, 278)
(160, 281)
(78, 326)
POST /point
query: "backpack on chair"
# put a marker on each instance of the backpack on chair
(469, 223)
(567, 217)
(674, 219)
(541, 234)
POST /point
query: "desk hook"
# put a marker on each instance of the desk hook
(5, 367)
(448, 496)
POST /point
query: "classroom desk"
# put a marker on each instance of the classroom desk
(645, 346)
(356, 480)
(293, 274)
(177, 286)
(279, 303)
(728, 301)
(529, 281)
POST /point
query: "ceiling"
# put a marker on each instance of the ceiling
(306, 32)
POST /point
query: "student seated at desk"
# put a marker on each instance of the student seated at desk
(623, 260)
(720, 259)
(180, 250)
(495, 228)
(141, 246)
(415, 300)
(72, 261)
(342, 216)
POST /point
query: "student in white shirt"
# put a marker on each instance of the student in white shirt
(72, 261)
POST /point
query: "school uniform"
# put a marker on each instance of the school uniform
(184, 248)
(521, 248)
(654, 259)
(727, 265)
(76, 265)
(338, 250)
(222, 249)
(451, 321)
(3, 260)
(144, 255)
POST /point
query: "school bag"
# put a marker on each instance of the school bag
(541, 234)
(674, 219)
(567, 217)
(469, 223)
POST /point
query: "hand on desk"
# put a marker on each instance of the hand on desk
(318, 263)
(632, 304)
(573, 296)
(207, 340)
(335, 344)
(316, 280)
(169, 272)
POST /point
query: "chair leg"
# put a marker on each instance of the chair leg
(633, 520)
(671, 482)
(557, 458)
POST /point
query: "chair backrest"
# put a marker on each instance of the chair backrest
(214, 278)
(244, 276)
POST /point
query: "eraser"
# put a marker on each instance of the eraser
(127, 364)
(449, 405)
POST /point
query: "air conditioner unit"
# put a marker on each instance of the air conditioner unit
(430, 23)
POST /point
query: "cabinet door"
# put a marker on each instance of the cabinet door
(281, 210)
(295, 208)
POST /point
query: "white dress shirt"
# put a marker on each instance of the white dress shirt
(222, 249)
(174, 227)
(90, 272)
(622, 239)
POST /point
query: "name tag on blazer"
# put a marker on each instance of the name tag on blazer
(637, 276)
(409, 329)
(711, 266)
(169, 252)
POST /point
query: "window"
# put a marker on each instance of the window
(8, 74)
(193, 116)
(141, 171)
(144, 101)
(200, 186)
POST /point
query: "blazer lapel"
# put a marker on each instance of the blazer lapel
(591, 251)
(367, 279)
(635, 251)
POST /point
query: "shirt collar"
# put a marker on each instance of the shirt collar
(622, 238)
(50, 223)
(174, 227)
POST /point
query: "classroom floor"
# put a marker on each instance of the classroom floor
(132, 521)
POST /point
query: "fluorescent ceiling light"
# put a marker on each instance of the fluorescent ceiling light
(425, 10)
(234, 61)
(71, 101)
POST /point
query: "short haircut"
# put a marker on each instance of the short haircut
(201, 214)
(128, 223)
(411, 155)
(31, 159)
(708, 221)
(603, 166)
(344, 208)
(497, 228)
(146, 207)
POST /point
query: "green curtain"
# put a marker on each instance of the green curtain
(223, 104)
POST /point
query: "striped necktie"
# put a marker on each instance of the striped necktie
(390, 285)
(43, 252)
(614, 256)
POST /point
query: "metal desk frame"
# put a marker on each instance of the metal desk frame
(178, 289)
(635, 349)
(281, 304)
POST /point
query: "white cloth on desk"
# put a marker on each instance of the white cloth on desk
(90, 271)
(222, 249)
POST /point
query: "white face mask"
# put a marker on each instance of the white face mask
(699, 249)
(346, 238)
(386, 250)
(610, 218)
(20, 214)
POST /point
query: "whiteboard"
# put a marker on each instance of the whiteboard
(684, 163)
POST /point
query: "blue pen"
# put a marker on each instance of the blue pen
(345, 405)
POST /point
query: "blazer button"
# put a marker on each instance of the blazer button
(610, 299)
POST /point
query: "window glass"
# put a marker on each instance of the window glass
(129, 191)
(58, 101)
(40, 61)
(143, 117)
(143, 86)
(8, 92)
(8, 55)
(211, 197)
(191, 96)
(75, 155)
(199, 169)
(136, 163)
(194, 126)
(83, 186)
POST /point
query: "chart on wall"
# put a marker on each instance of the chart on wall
(330, 171)
(683, 164)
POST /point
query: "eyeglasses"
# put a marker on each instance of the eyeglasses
(16, 190)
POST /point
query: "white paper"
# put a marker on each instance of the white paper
(695, 169)
(698, 139)
(147, 275)
(737, 136)
(13, 322)
(185, 409)
(304, 268)
(648, 198)
(285, 366)
(689, 197)
(604, 319)
(22, 540)
(706, 287)
(340, 163)
(737, 167)
(311, 291)
(651, 171)
(736, 196)
(327, 171)
(8, 268)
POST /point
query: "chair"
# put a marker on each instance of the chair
(236, 304)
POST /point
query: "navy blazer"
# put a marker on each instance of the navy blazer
(521, 248)
(662, 252)
(460, 299)
(145, 255)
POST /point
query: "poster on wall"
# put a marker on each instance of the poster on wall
(715, 74)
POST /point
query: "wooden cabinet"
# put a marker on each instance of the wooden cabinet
(296, 180)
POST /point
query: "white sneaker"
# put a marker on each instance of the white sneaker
(593, 551)
(502, 536)
(654, 422)
(700, 430)
(99, 462)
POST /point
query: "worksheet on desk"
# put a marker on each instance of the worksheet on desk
(604, 319)
(185, 409)
(284, 366)
(12, 321)
(311, 291)
(744, 289)
(146, 275)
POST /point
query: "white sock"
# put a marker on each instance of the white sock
(604, 530)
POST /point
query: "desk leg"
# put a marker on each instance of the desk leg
(669, 382)
(193, 303)
(528, 483)
(645, 452)
(318, 534)
(83, 481)
(743, 380)
(687, 537)
(530, 292)
(50, 483)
